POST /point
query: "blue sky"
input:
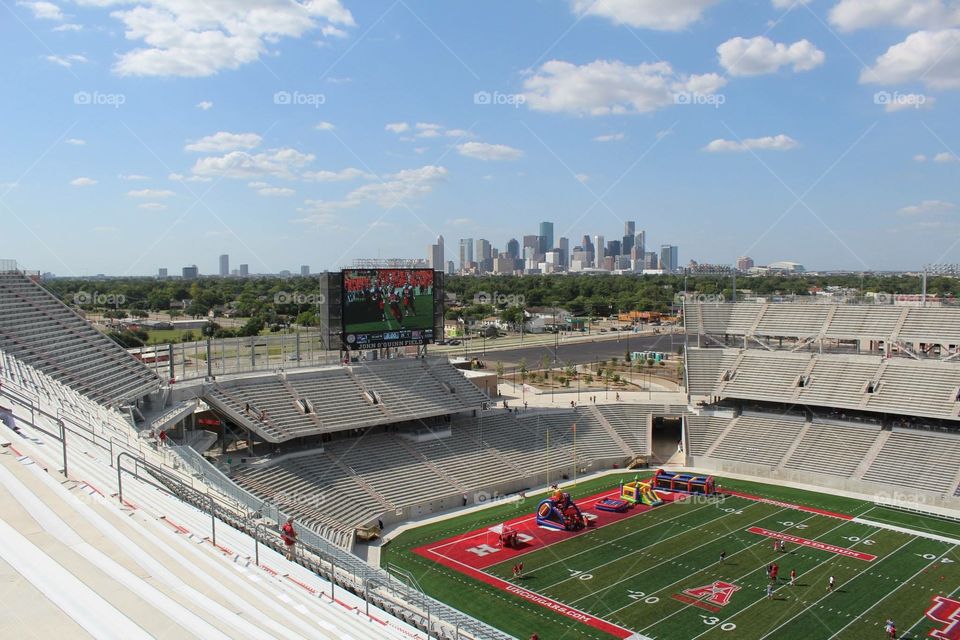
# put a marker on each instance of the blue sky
(148, 133)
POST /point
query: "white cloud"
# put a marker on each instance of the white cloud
(225, 141)
(609, 137)
(663, 15)
(919, 158)
(396, 189)
(77, 142)
(281, 163)
(337, 176)
(324, 126)
(759, 55)
(928, 207)
(197, 39)
(457, 133)
(43, 10)
(152, 206)
(179, 177)
(582, 177)
(397, 127)
(68, 26)
(331, 31)
(485, 151)
(611, 87)
(132, 177)
(67, 60)
(151, 193)
(930, 57)
(429, 133)
(420, 150)
(204, 105)
(275, 192)
(849, 15)
(83, 182)
(779, 142)
(945, 157)
(428, 126)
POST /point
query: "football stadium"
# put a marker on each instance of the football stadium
(803, 482)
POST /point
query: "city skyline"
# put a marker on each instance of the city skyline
(821, 133)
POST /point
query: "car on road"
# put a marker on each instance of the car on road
(453, 343)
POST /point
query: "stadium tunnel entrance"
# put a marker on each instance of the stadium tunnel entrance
(667, 433)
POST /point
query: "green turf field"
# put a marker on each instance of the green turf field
(422, 319)
(629, 572)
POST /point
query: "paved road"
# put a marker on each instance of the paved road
(574, 352)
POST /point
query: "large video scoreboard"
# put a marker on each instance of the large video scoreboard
(389, 307)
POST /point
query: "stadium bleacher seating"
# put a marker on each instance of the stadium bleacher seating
(917, 459)
(758, 440)
(704, 368)
(703, 431)
(41, 331)
(767, 376)
(833, 449)
(332, 399)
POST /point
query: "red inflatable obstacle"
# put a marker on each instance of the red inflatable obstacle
(684, 482)
(561, 513)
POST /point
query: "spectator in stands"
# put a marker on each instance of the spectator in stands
(524, 405)
(6, 417)
(464, 499)
(289, 536)
(380, 524)
(162, 437)
(246, 408)
(618, 396)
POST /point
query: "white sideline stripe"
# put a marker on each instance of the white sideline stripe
(52, 523)
(78, 601)
(912, 532)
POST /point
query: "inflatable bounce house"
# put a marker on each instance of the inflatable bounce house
(638, 492)
(559, 512)
(684, 482)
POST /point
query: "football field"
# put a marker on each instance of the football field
(656, 572)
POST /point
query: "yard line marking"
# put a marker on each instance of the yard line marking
(652, 526)
(902, 585)
(722, 516)
(752, 571)
(830, 593)
(636, 575)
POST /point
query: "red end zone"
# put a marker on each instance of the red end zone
(472, 552)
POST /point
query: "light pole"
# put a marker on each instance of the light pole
(556, 336)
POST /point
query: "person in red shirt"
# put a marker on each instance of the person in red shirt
(289, 535)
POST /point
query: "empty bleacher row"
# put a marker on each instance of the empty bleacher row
(922, 460)
(283, 407)
(41, 331)
(856, 382)
(841, 322)
(352, 481)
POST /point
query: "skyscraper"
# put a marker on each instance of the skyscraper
(191, 272)
(436, 255)
(224, 265)
(304, 270)
(629, 228)
(513, 248)
(598, 246)
(244, 270)
(162, 273)
(483, 256)
(669, 258)
(564, 245)
(640, 242)
(744, 263)
(546, 237)
(466, 253)
(613, 248)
